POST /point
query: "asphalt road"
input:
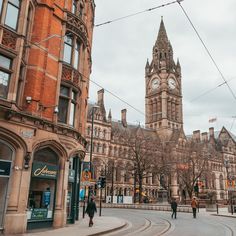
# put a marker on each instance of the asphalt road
(155, 223)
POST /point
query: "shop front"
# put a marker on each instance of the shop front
(6, 157)
(42, 192)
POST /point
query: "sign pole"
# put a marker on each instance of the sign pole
(84, 201)
(100, 203)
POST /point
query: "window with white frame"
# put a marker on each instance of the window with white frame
(5, 74)
(67, 105)
(72, 51)
(12, 13)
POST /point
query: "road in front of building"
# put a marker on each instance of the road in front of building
(154, 223)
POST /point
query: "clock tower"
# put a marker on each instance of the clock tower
(163, 100)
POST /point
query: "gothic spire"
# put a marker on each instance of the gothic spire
(162, 39)
(162, 51)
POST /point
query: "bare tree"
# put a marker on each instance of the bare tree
(193, 163)
(143, 152)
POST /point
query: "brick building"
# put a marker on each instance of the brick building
(164, 119)
(45, 64)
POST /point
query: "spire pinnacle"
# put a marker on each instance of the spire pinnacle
(162, 35)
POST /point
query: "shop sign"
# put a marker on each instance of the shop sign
(5, 168)
(39, 214)
(43, 170)
(71, 176)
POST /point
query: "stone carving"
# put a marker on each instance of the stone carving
(9, 39)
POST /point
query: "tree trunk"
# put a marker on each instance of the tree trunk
(140, 189)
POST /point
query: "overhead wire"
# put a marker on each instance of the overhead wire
(210, 90)
(207, 50)
(137, 13)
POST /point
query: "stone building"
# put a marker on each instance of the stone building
(164, 119)
(45, 64)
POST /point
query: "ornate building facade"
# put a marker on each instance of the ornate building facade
(45, 64)
(164, 119)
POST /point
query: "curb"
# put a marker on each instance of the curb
(109, 230)
(231, 216)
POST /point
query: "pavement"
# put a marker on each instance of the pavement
(102, 225)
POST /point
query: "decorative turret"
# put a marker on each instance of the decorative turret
(178, 67)
(147, 67)
(109, 116)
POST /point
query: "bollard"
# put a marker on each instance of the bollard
(217, 208)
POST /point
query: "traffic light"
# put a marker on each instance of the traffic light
(103, 182)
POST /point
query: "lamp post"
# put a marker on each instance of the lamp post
(227, 166)
(94, 107)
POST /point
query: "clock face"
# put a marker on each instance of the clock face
(171, 83)
(155, 83)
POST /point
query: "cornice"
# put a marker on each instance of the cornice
(21, 117)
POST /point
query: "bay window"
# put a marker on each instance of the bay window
(72, 51)
(68, 49)
(13, 7)
(78, 8)
(67, 105)
(5, 73)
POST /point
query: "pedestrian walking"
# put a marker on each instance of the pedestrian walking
(194, 206)
(90, 210)
(174, 208)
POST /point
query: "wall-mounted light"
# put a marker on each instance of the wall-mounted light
(56, 109)
(43, 108)
(27, 158)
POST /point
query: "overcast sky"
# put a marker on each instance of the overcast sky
(120, 51)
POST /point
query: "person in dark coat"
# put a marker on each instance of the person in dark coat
(174, 208)
(90, 210)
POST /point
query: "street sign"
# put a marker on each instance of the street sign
(86, 176)
(230, 185)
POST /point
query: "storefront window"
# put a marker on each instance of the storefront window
(42, 188)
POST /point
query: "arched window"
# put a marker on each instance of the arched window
(103, 148)
(104, 133)
(221, 180)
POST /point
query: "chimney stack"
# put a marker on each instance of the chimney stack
(205, 137)
(196, 135)
(100, 100)
(123, 117)
(211, 132)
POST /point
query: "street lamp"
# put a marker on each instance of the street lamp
(94, 107)
(227, 166)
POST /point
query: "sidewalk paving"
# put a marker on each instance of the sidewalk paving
(101, 225)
